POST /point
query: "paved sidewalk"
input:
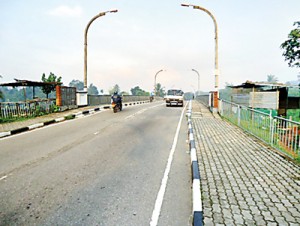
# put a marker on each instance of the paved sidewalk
(243, 182)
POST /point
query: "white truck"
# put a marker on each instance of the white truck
(174, 97)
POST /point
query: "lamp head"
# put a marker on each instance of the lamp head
(185, 5)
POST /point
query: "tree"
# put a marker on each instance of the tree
(116, 88)
(272, 79)
(137, 91)
(159, 90)
(92, 90)
(76, 83)
(291, 47)
(51, 78)
(1, 93)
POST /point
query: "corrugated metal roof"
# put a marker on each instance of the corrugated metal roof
(29, 83)
(250, 84)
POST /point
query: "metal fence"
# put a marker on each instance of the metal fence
(280, 133)
(68, 96)
(26, 109)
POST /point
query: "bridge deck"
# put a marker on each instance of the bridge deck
(243, 181)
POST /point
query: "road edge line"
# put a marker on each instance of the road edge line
(160, 195)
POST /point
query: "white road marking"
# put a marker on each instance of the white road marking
(54, 124)
(141, 111)
(161, 193)
(2, 178)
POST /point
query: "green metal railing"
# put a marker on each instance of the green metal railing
(280, 133)
(9, 110)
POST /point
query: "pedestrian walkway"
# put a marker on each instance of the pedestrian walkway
(243, 181)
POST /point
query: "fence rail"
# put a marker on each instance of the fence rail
(25, 109)
(280, 133)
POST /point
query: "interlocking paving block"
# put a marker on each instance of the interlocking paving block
(242, 177)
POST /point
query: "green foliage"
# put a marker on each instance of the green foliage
(272, 78)
(294, 114)
(69, 117)
(92, 90)
(18, 94)
(1, 93)
(137, 91)
(51, 78)
(19, 119)
(291, 47)
(159, 90)
(116, 88)
(294, 92)
(76, 83)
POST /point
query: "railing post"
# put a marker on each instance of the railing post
(239, 115)
(271, 129)
(220, 107)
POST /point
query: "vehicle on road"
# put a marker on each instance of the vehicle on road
(116, 107)
(174, 97)
(116, 102)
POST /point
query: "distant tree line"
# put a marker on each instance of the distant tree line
(8, 94)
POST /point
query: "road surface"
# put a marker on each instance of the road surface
(128, 168)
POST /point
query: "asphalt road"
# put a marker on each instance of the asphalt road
(103, 169)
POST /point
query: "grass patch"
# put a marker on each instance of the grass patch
(69, 117)
(19, 119)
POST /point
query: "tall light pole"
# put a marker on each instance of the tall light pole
(216, 41)
(155, 80)
(198, 79)
(85, 43)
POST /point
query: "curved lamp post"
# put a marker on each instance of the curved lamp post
(216, 41)
(155, 80)
(198, 79)
(85, 43)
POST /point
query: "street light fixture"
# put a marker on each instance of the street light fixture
(198, 79)
(85, 42)
(155, 79)
(216, 40)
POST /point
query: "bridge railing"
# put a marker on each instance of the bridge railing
(106, 99)
(280, 133)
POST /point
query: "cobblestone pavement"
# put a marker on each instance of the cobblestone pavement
(243, 182)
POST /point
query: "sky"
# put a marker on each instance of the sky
(129, 47)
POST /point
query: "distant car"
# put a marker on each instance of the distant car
(174, 97)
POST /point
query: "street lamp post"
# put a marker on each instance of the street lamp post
(216, 41)
(155, 80)
(198, 79)
(85, 43)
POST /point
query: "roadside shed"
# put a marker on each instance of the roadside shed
(264, 95)
(33, 84)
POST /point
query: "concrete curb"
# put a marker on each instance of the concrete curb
(61, 119)
(197, 200)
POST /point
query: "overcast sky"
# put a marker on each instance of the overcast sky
(128, 48)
